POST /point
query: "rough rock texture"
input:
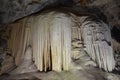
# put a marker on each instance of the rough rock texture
(16, 9)
(87, 74)
(110, 8)
(7, 63)
(4, 36)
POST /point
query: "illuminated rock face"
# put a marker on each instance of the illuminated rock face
(51, 41)
(97, 40)
(51, 33)
(17, 43)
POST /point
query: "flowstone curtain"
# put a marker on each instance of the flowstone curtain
(51, 33)
(97, 40)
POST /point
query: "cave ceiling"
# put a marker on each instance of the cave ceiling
(107, 10)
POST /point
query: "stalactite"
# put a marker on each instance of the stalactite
(51, 33)
(97, 40)
(52, 41)
(18, 40)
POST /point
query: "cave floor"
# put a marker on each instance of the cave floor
(88, 74)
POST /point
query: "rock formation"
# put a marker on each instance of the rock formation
(98, 42)
(8, 62)
(51, 35)
(52, 41)
(17, 42)
(26, 65)
(59, 39)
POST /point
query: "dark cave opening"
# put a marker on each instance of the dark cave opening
(115, 32)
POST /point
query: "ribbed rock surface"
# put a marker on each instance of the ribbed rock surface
(98, 42)
(51, 33)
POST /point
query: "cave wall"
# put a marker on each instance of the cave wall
(10, 11)
(16, 9)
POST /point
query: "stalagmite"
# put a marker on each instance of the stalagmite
(97, 39)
